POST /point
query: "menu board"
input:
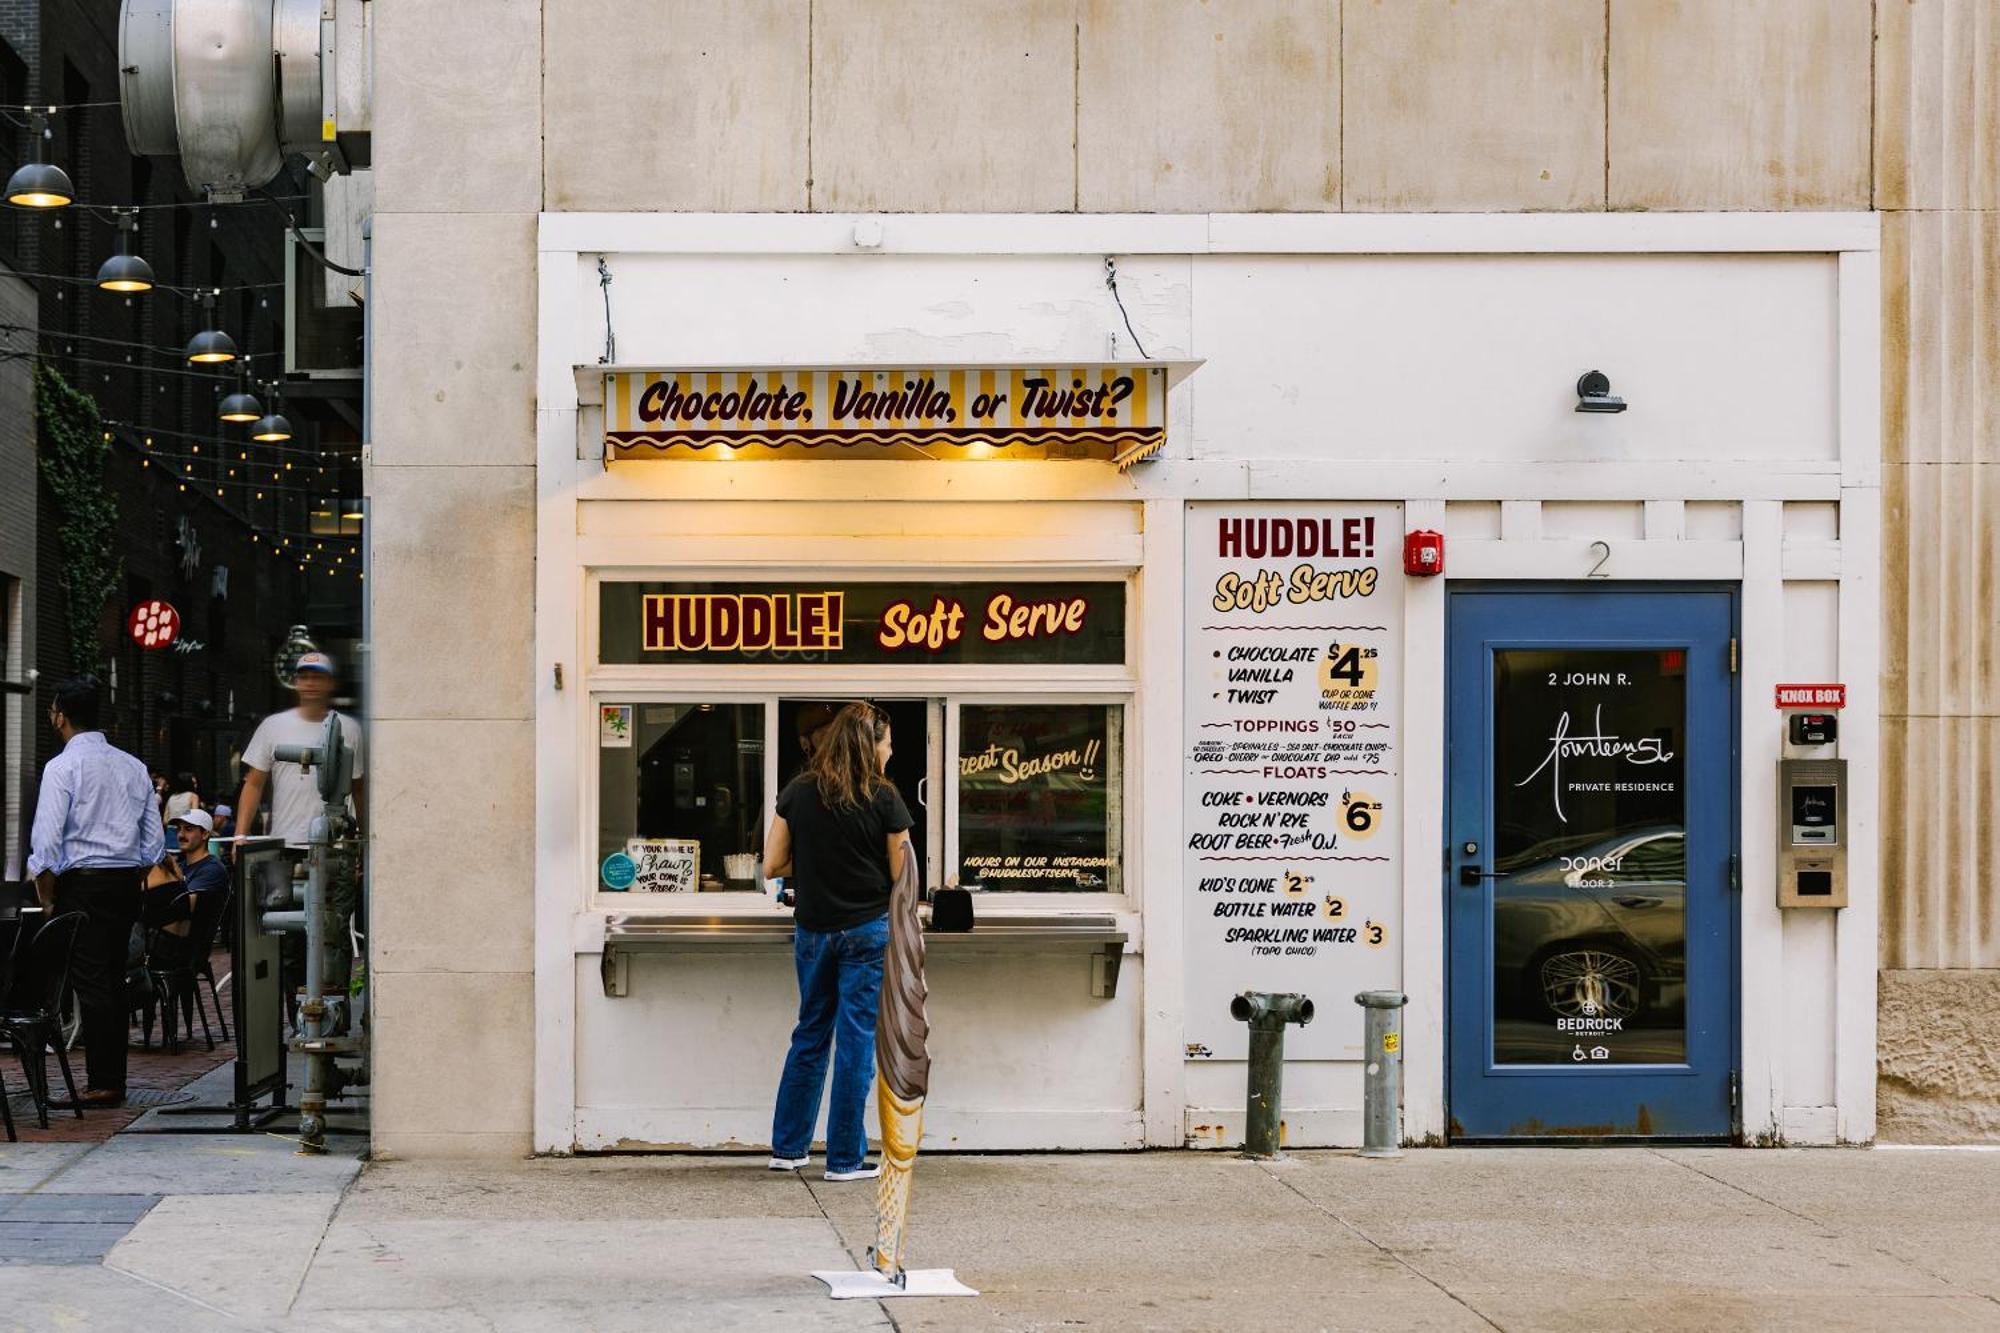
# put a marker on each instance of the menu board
(1293, 775)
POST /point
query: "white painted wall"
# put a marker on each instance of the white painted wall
(1338, 366)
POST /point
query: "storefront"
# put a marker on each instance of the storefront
(1164, 690)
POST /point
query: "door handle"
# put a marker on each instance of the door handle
(1469, 876)
(923, 791)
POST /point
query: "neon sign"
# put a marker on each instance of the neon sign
(1074, 622)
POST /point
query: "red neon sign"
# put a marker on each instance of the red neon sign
(154, 624)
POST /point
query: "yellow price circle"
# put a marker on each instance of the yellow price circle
(1360, 816)
(1347, 675)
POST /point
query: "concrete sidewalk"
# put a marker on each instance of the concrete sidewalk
(201, 1232)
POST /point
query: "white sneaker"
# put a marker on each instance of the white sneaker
(867, 1171)
(787, 1163)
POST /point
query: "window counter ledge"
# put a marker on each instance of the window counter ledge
(1104, 936)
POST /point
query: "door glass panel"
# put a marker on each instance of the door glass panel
(1589, 849)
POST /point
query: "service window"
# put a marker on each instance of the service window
(681, 792)
(1010, 702)
(1040, 805)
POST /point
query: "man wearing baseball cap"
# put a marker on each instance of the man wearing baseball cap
(295, 799)
(201, 872)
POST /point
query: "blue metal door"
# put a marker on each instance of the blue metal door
(1590, 907)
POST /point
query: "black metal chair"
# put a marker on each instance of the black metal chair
(211, 910)
(38, 1027)
(176, 965)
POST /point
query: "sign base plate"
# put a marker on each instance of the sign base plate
(867, 1284)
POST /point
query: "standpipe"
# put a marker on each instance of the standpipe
(1267, 1014)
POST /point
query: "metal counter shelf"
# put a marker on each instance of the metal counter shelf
(1100, 933)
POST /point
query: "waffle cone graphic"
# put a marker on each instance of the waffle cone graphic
(902, 1067)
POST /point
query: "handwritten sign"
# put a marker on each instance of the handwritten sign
(1293, 783)
(666, 865)
(1110, 412)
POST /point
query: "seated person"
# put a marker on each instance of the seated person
(193, 871)
(203, 873)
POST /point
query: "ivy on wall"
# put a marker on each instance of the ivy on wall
(72, 452)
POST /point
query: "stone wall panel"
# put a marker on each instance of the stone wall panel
(664, 105)
(1474, 105)
(1750, 104)
(968, 108)
(1189, 106)
(1937, 104)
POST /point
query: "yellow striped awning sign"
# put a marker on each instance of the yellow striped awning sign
(1112, 412)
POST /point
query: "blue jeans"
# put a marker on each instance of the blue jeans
(840, 980)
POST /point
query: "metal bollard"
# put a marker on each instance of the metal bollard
(1382, 1082)
(1267, 1015)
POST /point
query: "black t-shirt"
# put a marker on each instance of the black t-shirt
(840, 859)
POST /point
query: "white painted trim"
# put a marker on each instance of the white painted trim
(1574, 558)
(1210, 233)
(1857, 944)
(1160, 742)
(1811, 560)
(628, 1127)
(1424, 795)
(1520, 520)
(1220, 1128)
(559, 724)
(1666, 520)
(1859, 373)
(1761, 927)
(1108, 549)
(1377, 479)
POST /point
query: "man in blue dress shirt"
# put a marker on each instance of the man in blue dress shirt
(97, 831)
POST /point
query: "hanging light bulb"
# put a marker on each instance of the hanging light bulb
(240, 406)
(125, 271)
(272, 427)
(211, 346)
(39, 184)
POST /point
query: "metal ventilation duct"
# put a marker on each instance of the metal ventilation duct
(231, 87)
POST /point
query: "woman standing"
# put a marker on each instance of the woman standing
(840, 834)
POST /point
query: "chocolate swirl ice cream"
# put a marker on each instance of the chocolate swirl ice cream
(901, 1029)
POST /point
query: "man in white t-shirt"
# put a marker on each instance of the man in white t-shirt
(294, 792)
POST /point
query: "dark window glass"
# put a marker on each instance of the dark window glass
(684, 772)
(1039, 797)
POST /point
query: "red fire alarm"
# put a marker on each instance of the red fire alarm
(1423, 553)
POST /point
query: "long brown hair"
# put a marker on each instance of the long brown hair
(842, 763)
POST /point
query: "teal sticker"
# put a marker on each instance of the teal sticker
(618, 872)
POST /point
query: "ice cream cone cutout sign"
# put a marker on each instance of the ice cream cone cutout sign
(902, 1067)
